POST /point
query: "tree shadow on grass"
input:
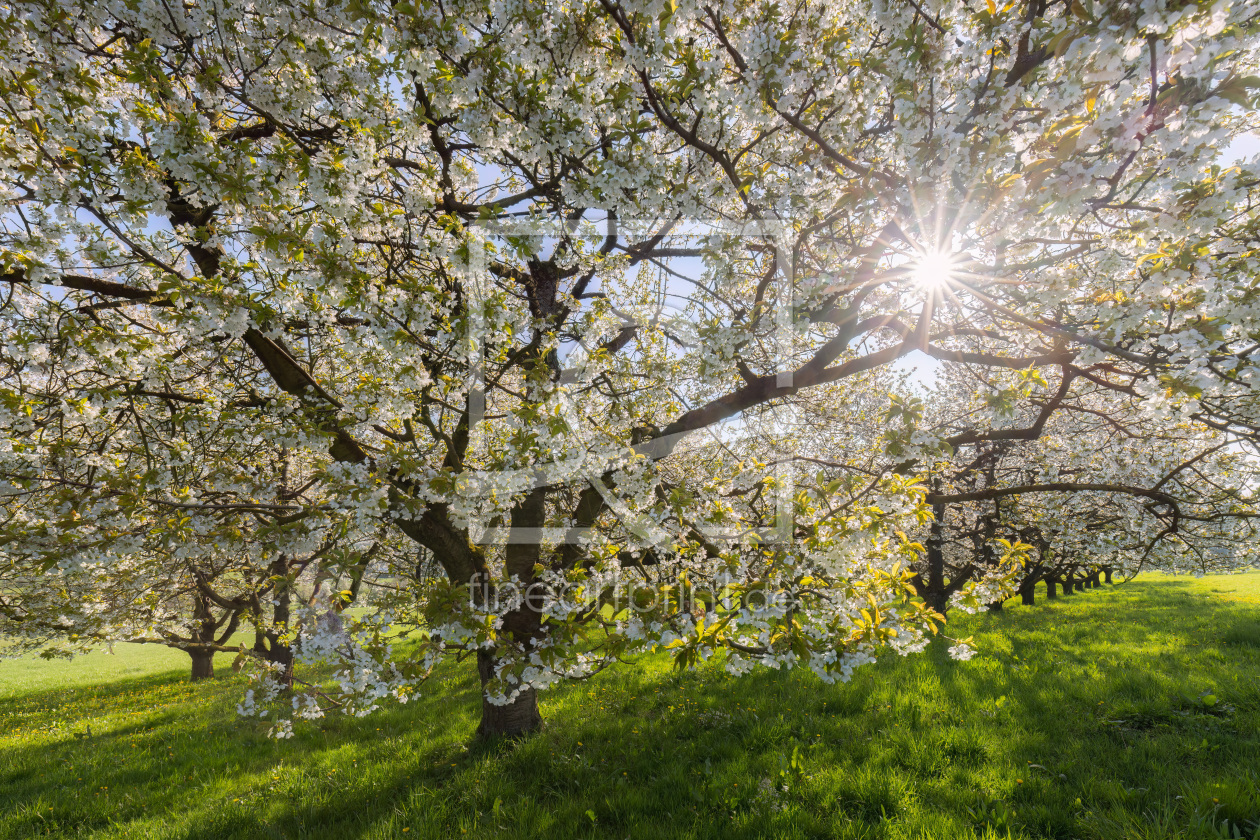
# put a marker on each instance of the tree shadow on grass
(198, 757)
(1117, 723)
(905, 748)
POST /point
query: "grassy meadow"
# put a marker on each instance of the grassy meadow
(1124, 712)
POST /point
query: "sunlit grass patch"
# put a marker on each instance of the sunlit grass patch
(1129, 712)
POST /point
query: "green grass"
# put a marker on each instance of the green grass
(24, 677)
(1080, 718)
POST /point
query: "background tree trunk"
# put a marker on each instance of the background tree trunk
(1051, 583)
(1107, 574)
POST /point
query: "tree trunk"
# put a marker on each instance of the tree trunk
(512, 720)
(268, 640)
(203, 632)
(1028, 588)
(523, 625)
(996, 606)
(1069, 584)
(1107, 574)
(1094, 582)
(279, 652)
(202, 663)
(1051, 583)
(934, 594)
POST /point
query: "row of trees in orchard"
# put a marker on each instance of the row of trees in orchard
(1093, 487)
(548, 334)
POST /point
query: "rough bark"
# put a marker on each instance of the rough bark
(1028, 587)
(202, 663)
(1051, 584)
(523, 626)
(281, 654)
(203, 634)
(268, 636)
(511, 720)
(934, 593)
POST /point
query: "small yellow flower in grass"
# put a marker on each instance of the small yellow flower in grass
(1019, 781)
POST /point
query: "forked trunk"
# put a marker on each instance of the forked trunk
(202, 664)
(511, 720)
(1069, 585)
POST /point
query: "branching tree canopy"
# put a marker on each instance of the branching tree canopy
(504, 277)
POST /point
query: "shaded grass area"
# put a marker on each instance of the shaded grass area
(1126, 712)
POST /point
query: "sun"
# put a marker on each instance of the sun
(933, 270)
